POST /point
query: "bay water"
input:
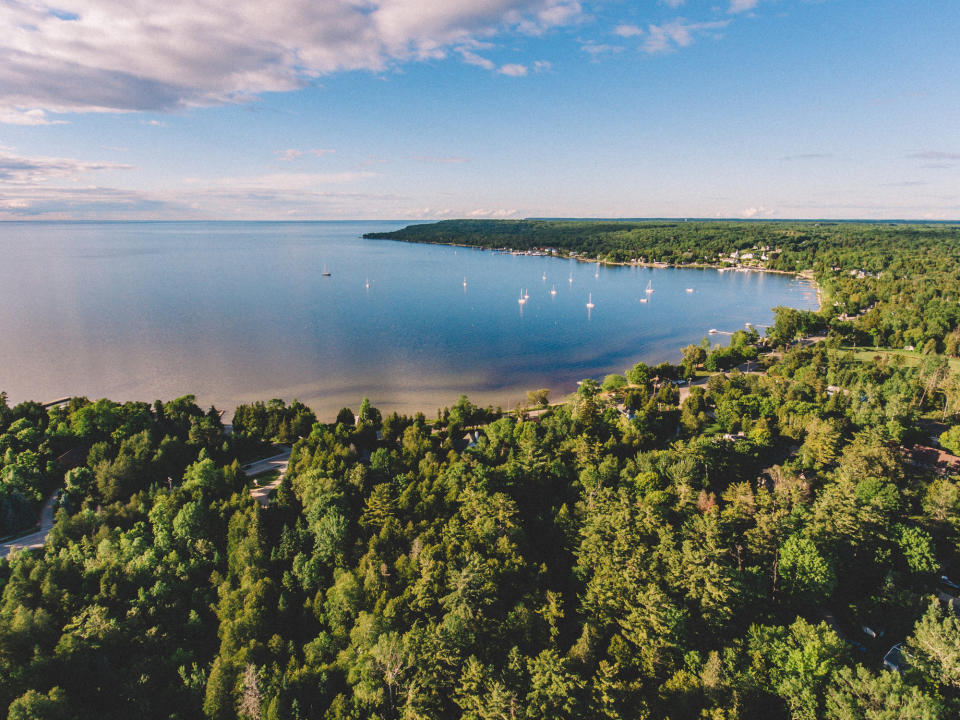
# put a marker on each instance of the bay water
(239, 311)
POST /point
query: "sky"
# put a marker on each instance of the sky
(436, 109)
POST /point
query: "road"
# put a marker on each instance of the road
(277, 462)
(36, 539)
(260, 494)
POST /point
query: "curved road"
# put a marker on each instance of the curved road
(36, 539)
(260, 494)
(277, 462)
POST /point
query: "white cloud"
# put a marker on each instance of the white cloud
(498, 213)
(677, 33)
(443, 160)
(513, 70)
(471, 58)
(739, 6)
(17, 116)
(139, 55)
(936, 155)
(295, 154)
(627, 30)
(808, 156)
(597, 49)
(19, 170)
(542, 65)
(282, 181)
(758, 211)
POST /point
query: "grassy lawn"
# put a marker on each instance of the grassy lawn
(265, 478)
(911, 358)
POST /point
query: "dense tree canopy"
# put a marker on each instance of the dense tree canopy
(751, 546)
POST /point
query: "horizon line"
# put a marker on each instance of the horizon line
(913, 221)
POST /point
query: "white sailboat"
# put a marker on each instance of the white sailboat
(649, 287)
(464, 281)
(689, 290)
(553, 291)
(571, 277)
(590, 304)
(325, 273)
(522, 299)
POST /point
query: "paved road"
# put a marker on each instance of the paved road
(277, 462)
(260, 494)
(34, 540)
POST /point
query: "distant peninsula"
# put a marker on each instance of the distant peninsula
(787, 246)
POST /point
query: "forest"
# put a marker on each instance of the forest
(695, 540)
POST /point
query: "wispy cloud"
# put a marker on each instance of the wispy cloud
(678, 33)
(935, 155)
(807, 156)
(443, 160)
(153, 123)
(471, 58)
(757, 211)
(20, 170)
(137, 55)
(17, 116)
(492, 213)
(282, 181)
(597, 49)
(292, 154)
(627, 31)
(513, 70)
(739, 6)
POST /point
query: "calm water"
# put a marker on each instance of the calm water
(234, 312)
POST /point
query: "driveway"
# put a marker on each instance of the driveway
(277, 462)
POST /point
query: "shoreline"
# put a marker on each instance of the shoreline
(801, 274)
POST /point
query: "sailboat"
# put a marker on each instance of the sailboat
(464, 281)
(522, 299)
(368, 284)
(553, 291)
(690, 290)
(571, 277)
(649, 287)
(526, 295)
(590, 304)
(544, 278)
(325, 273)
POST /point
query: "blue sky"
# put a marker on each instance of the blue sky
(297, 109)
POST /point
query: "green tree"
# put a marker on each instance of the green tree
(806, 573)
(934, 647)
(860, 695)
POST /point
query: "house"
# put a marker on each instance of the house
(930, 458)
